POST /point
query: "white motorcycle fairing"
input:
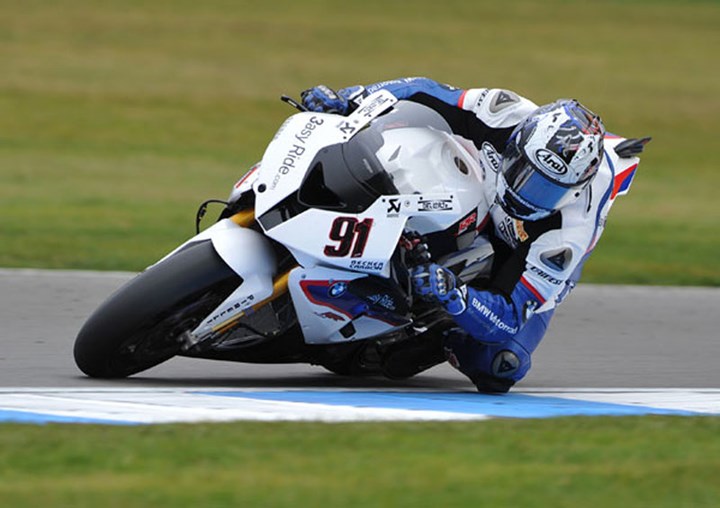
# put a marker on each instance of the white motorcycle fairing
(439, 180)
(249, 254)
(287, 157)
(330, 311)
(440, 183)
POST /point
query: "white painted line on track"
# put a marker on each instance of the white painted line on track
(151, 406)
(199, 404)
(701, 400)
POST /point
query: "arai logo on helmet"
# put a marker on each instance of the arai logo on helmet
(550, 161)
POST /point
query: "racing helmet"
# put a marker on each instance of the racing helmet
(549, 159)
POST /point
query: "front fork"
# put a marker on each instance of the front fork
(254, 263)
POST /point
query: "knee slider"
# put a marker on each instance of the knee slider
(509, 364)
(506, 368)
(505, 364)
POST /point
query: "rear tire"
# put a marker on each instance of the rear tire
(140, 326)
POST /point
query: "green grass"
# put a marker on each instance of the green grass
(588, 462)
(118, 117)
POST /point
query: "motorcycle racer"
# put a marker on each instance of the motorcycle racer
(550, 188)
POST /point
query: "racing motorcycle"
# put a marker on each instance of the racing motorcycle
(308, 261)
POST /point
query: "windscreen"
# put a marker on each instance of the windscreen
(350, 176)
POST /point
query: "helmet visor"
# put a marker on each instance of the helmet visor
(526, 193)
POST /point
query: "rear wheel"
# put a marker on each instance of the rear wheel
(140, 326)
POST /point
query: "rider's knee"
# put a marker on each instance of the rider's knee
(492, 368)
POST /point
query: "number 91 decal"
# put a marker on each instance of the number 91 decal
(351, 236)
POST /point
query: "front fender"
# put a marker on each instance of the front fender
(247, 252)
(250, 255)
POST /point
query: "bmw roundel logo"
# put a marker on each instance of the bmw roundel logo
(337, 289)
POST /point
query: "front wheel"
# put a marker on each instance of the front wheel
(140, 326)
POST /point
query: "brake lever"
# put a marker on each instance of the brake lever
(293, 103)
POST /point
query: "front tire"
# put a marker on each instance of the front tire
(140, 325)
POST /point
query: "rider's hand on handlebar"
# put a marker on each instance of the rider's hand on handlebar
(433, 282)
(322, 99)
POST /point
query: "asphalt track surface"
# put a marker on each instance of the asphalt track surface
(601, 337)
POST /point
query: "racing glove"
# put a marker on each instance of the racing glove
(323, 99)
(433, 282)
(416, 249)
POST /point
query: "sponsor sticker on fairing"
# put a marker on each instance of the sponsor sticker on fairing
(309, 128)
(373, 105)
(337, 289)
(383, 300)
(367, 266)
(346, 128)
(434, 205)
(329, 315)
(394, 206)
(467, 223)
(297, 150)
